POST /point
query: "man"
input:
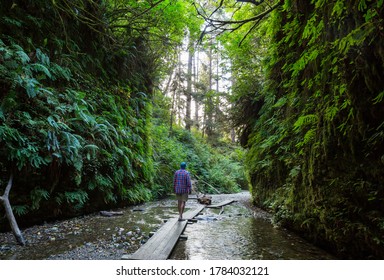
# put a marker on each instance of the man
(182, 187)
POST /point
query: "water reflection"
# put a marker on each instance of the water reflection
(242, 236)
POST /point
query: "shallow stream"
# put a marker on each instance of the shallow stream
(233, 232)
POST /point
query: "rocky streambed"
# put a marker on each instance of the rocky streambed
(90, 237)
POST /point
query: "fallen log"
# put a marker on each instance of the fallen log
(226, 202)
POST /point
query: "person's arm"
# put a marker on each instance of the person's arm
(174, 182)
(189, 183)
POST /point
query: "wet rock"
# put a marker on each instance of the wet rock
(5, 248)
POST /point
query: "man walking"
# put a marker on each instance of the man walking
(182, 187)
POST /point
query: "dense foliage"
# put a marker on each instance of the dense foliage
(77, 83)
(74, 118)
(314, 122)
(214, 170)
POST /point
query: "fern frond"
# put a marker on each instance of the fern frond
(310, 119)
(20, 209)
(37, 67)
(379, 98)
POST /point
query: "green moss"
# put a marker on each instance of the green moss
(310, 160)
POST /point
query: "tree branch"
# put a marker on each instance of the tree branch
(252, 2)
(220, 26)
(9, 213)
(7, 189)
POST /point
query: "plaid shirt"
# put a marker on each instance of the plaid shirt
(182, 181)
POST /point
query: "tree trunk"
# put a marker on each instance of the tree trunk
(9, 213)
(196, 79)
(209, 102)
(233, 135)
(188, 119)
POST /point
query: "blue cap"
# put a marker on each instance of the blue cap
(183, 165)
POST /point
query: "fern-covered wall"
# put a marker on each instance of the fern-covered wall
(316, 153)
(75, 108)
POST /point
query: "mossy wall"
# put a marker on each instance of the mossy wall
(316, 154)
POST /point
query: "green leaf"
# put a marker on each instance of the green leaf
(44, 59)
(37, 67)
(32, 87)
(20, 209)
(310, 119)
(338, 8)
(23, 57)
(362, 5)
(52, 122)
(379, 98)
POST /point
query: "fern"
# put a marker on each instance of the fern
(12, 21)
(42, 57)
(379, 98)
(37, 194)
(76, 198)
(20, 210)
(32, 87)
(306, 120)
(36, 67)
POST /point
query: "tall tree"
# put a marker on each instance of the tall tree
(188, 92)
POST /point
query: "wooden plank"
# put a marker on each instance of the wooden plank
(192, 213)
(226, 202)
(161, 244)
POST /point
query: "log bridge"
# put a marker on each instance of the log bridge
(161, 244)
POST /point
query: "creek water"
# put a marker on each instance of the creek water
(241, 233)
(233, 232)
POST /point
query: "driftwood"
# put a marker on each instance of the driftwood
(204, 199)
(226, 202)
(110, 213)
(4, 199)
